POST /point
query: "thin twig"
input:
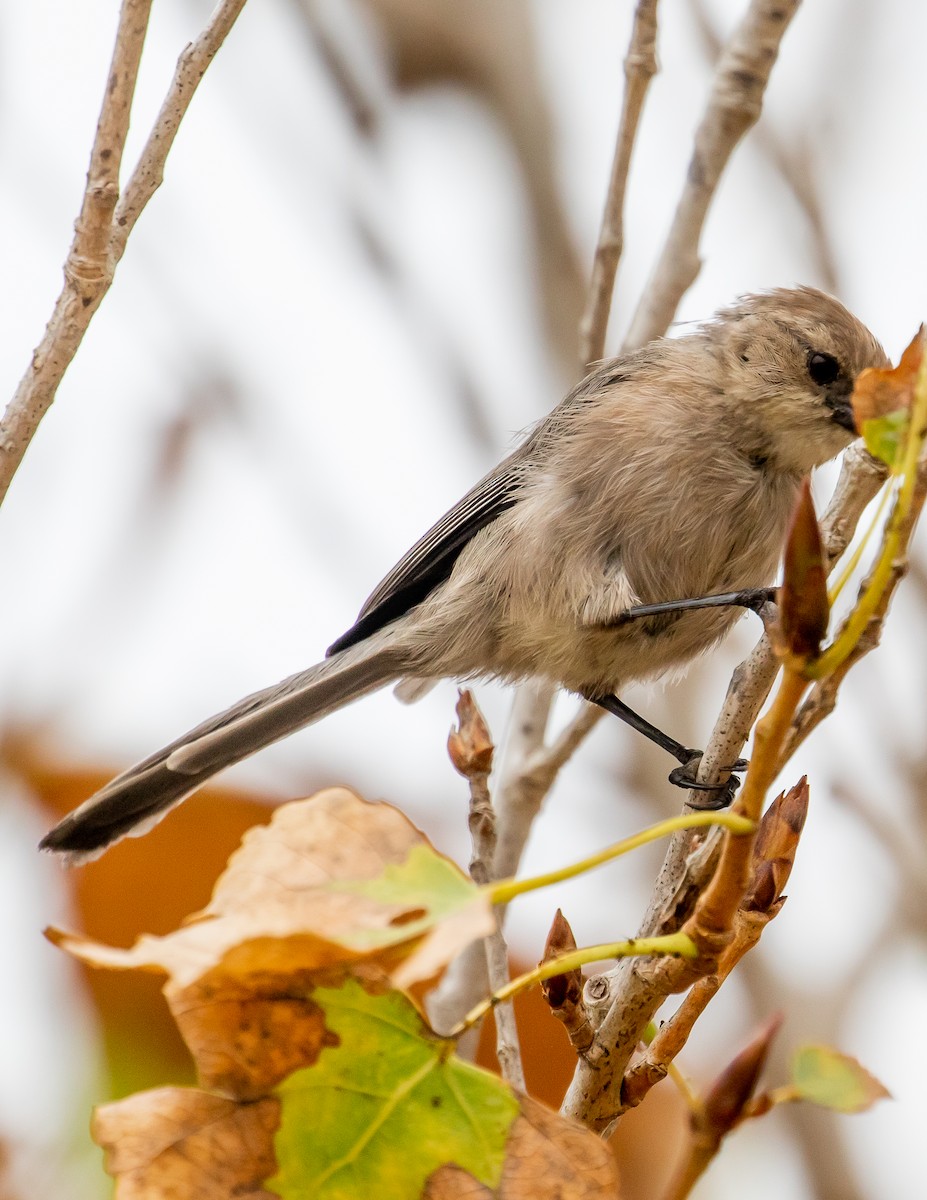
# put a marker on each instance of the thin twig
(471, 751)
(191, 67)
(518, 799)
(640, 66)
(88, 269)
(734, 106)
(795, 160)
(105, 222)
(517, 803)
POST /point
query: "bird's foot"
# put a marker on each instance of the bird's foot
(717, 795)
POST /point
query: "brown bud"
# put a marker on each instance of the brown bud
(567, 988)
(774, 850)
(470, 746)
(724, 1104)
(804, 609)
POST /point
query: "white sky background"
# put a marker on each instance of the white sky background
(247, 278)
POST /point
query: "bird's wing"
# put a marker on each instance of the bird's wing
(432, 558)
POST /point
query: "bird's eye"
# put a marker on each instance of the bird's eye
(823, 368)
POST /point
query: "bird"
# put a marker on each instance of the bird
(668, 474)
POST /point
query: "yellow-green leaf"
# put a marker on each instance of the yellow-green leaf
(885, 436)
(425, 881)
(833, 1080)
(380, 1112)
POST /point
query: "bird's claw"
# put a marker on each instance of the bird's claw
(718, 795)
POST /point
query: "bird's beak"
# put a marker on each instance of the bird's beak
(841, 413)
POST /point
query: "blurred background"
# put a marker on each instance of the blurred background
(362, 278)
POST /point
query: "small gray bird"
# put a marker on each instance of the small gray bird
(668, 474)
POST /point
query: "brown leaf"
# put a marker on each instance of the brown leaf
(244, 1044)
(804, 609)
(307, 899)
(883, 390)
(179, 1142)
(470, 746)
(546, 1156)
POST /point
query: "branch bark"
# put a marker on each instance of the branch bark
(734, 106)
(105, 220)
(640, 66)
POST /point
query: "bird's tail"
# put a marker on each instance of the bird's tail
(140, 796)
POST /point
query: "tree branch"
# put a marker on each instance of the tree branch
(640, 66)
(734, 106)
(105, 222)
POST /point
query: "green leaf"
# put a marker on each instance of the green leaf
(377, 1114)
(425, 880)
(833, 1080)
(885, 436)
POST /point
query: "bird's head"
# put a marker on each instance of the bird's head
(793, 355)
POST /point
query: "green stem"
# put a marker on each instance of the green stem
(504, 890)
(679, 944)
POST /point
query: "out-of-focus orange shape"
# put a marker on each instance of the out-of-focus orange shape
(883, 390)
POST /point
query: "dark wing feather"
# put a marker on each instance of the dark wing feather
(432, 558)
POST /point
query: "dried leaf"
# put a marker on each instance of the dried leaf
(804, 609)
(833, 1080)
(547, 1158)
(174, 1143)
(332, 886)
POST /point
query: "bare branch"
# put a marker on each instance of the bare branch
(734, 106)
(471, 751)
(640, 66)
(518, 800)
(149, 171)
(88, 269)
(796, 162)
(104, 223)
